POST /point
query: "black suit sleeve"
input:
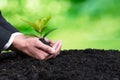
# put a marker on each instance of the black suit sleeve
(6, 30)
(6, 25)
(4, 37)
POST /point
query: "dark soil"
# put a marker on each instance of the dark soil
(88, 64)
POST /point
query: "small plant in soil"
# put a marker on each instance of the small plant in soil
(40, 26)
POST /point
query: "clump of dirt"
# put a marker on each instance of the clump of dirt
(88, 64)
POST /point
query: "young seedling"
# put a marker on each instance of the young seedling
(39, 26)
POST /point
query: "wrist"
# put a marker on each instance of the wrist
(10, 41)
(18, 42)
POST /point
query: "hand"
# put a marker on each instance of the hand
(55, 45)
(33, 47)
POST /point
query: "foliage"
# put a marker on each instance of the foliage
(40, 25)
(81, 23)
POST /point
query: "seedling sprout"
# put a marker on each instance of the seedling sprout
(39, 26)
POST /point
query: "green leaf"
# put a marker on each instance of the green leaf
(43, 22)
(49, 32)
(40, 25)
(35, 27)
(38, 22)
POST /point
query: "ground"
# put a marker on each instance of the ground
(88, 64)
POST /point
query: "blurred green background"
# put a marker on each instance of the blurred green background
(81, 23)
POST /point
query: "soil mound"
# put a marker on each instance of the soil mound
(88, 64)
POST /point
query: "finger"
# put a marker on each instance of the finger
(29, 53)
(39, 54)
(57, 47)
(44, 47)
(49, 41)
(49, 57)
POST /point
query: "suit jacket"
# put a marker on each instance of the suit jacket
(6, 29)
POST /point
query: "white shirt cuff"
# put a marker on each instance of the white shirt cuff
(10, 41)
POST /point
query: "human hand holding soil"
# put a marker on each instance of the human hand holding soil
(38, 46)
(33, 47)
